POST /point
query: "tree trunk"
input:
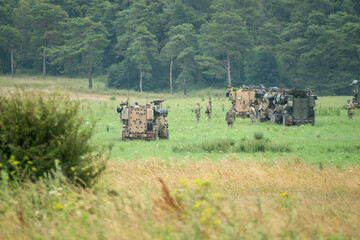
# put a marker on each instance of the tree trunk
(228, 70)
(140, 85)
(44, 63)
(12, 63)
(171, 65)
(90, 78)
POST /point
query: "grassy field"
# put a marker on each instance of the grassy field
(207, 181)
(332, 140)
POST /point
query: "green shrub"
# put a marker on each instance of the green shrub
(259, 146)
(37, 129)
(263, 145)
(217, 145)
(258, 135)
(231, 145)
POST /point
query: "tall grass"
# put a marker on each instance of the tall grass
(229, 199)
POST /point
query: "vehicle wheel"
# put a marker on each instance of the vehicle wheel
(258, 116)
(167, 134)
(155, 135)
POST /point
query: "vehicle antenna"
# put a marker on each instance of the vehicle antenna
(127, 100)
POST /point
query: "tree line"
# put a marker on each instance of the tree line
(176, 45)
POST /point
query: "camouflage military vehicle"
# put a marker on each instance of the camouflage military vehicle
(355, 89)
(295, 107)
(242, 98)
(143, 121)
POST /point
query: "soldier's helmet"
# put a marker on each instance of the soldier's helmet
(136, 103)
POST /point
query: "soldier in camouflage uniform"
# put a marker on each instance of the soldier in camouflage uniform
(161, 125)
(161, 129)
(230, 117)
(350, 108)
(252, 114)
(197, 112)
(209, 110)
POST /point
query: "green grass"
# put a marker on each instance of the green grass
(207, 181)
(333, 140)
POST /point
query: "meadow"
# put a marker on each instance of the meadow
(207, 181)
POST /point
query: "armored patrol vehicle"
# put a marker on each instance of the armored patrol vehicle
(146, 122)
(295, 107)
(242, 98)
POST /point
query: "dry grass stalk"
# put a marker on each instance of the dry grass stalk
(168, 202)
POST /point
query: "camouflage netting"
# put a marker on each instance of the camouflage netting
(298, 93)
(161, 111)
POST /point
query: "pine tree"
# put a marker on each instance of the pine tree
(224, 37)
(141, 48)
(9, 38)
(84, 40)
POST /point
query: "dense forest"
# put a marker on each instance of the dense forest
(177, 45)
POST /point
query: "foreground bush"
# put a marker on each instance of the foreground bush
(38, 130)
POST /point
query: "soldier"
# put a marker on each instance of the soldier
(350, 107)
(136, 105)
(120, 108)
(161, 124)
(230, 117)
(209, 110)
(252, 114)
(263, 109)
(197, 112)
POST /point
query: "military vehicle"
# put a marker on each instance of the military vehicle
(294, 107)
(242, 98)
(355, 89)
(281, 106)
(146, 122)
(268, 104)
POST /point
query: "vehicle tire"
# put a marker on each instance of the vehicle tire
(155, 134)
(167, 134)
(258, 116)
